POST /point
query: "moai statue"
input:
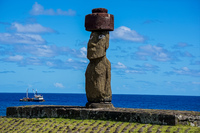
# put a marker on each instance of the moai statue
(98, 73)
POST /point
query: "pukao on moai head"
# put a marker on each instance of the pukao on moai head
(98, 73)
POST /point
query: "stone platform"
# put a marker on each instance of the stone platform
(146, 116)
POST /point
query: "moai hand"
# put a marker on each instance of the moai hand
(98, 73)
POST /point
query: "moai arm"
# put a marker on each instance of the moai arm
(108, 81)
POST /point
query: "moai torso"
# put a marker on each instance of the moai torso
(98, 75)
(98, 88)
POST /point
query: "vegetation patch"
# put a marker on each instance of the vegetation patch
(62, 125)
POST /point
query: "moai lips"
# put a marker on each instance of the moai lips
(98, 72)
(99, 20)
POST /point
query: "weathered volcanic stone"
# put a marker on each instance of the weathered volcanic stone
(97, 44)
(98, 76)
(98, 72)
(99, 20)
(99, 105)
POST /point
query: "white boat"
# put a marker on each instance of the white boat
(37, 97)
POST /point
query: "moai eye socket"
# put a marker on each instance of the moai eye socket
(101, 36)
(91, 37)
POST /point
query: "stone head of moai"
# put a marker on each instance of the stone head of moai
(98, 44)
(99, 23)
(98, 72)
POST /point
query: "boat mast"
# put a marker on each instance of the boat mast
(27, 93)
(33, 91)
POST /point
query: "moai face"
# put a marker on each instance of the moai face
(98, 44)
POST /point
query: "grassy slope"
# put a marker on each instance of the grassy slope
(89, 126)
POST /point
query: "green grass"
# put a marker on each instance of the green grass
(62, 125)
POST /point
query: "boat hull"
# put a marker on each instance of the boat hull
(31, 100)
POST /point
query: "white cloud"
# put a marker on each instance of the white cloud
(49, 63)
(185, 71)
(196, 83)
(8, 38)
(125, 33)
(134, 71)
(70, 12)
(83, 61)
(15, 58)
(38, 9)
(187, 54)
(25, 34)
(147, 67)
(70, 60)
(181, 45)
(155, 52)
(58, 85)
(36, 55)
(43, 51)
(120, 66)
(31, 28)
(83, 52)
(32, 61)
(38, 50)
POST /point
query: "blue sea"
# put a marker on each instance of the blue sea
(190, 103)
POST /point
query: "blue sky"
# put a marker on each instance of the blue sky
(154, 49)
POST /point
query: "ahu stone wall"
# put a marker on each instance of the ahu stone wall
(146, 116)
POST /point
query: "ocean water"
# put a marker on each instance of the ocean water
(189, 103)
